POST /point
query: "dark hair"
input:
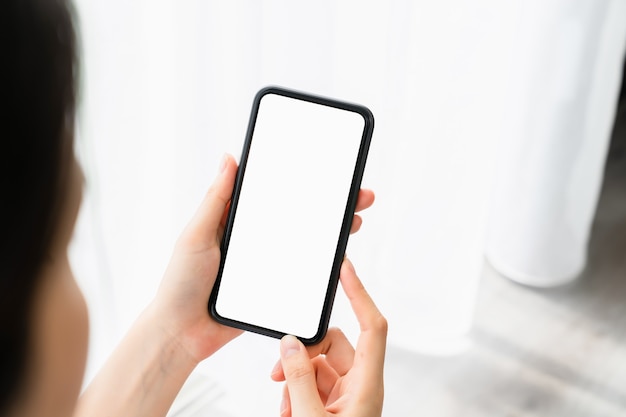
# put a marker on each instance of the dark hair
(38, 90)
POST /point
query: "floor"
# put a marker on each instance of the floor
(555, 352)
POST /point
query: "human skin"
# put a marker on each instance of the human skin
(332, 378)
(170, 337)
(59, 331)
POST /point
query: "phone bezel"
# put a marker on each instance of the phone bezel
(347, 218)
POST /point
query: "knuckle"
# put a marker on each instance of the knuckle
(334, 337)
(215, 192)
(214, 255)
(334, 332)
(298, 372)
(380, 324)
(374, 398)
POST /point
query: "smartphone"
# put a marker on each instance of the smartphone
(290, 214)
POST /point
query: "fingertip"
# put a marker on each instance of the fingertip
(350, 280)
(372, 323)
(289, 346)
(227, 164)
(231, 160)
(277, 373)
(348, 265)
(300, 376)
(223, 163)
(205, 226)
(357, 222)
(366, 199)
(222, 184)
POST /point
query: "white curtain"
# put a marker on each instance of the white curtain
(167, 89)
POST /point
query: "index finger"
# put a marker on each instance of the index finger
(370, 349)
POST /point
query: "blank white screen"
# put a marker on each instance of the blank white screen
(289, 215)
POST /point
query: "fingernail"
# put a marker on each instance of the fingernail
(289, 346)
(223, 163)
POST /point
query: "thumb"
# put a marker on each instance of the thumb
(300, 377)
(203, 230)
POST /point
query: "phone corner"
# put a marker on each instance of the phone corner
(268, 89)
(368, 116)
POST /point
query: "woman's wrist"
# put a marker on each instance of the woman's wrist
(169, 337)
(154, 366)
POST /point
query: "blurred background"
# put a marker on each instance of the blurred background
(493, 125)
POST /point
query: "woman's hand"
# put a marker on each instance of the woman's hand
(175, 332)
(181, 302)
(331, 378)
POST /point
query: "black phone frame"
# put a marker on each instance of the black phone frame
(347, 217)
